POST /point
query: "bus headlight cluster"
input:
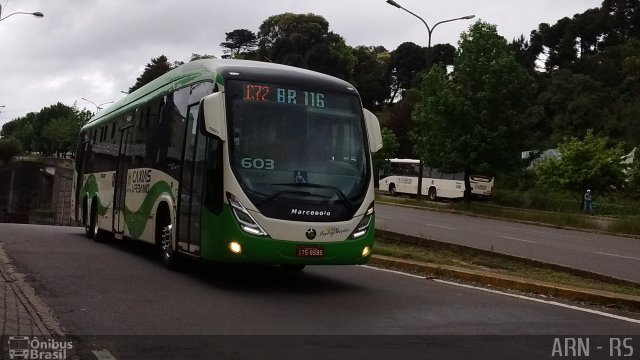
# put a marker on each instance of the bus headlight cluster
(363, 225)
(245, 220)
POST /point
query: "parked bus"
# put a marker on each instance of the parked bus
(400, 176)
(233, 161)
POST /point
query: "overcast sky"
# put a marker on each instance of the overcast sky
(97, 48)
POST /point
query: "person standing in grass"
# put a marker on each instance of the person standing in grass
(588, 209)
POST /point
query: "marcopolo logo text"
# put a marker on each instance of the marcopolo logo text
(310, 212)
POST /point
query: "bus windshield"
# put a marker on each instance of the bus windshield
(291, 144)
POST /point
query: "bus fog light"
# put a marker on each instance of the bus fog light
(235, 247)
(366, 251)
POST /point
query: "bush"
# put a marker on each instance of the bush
(508, 198)
(538, 200)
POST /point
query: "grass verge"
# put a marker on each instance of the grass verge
(617, 225)
(399, 246)
(627, 225)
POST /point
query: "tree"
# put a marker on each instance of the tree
(62, 133)
(370, 75)
(240, 41)
(588, 163)
(53, 129)
(406, 62)
(9, 147)
(476, 119)
(574, 103)
(153, 70)
(526, 52)
(441, 54)
(624, 19)
(397, 117)
(389, 150)
(632, 186)
(304, 40)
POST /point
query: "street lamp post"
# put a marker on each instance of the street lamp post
(98, 106)
(430, 31)
(37, 14)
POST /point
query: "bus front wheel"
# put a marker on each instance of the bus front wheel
(432, 194)
(85, 218)
(92, 225)
(392, 190)
(164, 236)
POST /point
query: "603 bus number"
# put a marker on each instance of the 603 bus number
(257, 163)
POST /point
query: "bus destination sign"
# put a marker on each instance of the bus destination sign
(270, 93)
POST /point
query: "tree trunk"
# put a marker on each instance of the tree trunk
(467, 187)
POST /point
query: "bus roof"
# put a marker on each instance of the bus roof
(218, 70)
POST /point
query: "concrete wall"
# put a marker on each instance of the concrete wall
(37, 192)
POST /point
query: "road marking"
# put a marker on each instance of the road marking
(614, 255)
(548, 302)
(103, 354)
(516, 239)
(440, 226)
(394, 272)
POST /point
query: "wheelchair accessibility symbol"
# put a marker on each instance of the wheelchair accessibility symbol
(300, 177)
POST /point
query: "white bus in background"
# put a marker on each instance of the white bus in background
(400, 176)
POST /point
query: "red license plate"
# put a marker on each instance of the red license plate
(309, 251)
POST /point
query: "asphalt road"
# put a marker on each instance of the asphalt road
(610, 255)
(108, 295)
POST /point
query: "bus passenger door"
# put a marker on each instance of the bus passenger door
(120, 181)
(192, 182)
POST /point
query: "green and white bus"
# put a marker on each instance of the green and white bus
(233, 161)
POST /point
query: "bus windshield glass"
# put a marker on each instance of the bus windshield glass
(297, 144)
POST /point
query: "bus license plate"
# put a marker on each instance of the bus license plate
(309, 251)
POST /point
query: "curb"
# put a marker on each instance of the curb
(14, 285)
(603, 298)
(39, 312)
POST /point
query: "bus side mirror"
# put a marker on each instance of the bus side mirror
(212, 109)
(373, 131)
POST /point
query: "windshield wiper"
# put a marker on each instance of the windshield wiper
(337, 190)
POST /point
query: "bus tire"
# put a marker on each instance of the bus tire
(164, 238)
(392, 190)
(433, 194)
(92, 228)
(94, 232)
(85, 218)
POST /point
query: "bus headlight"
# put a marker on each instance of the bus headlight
(363, 225)
(245, 220)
